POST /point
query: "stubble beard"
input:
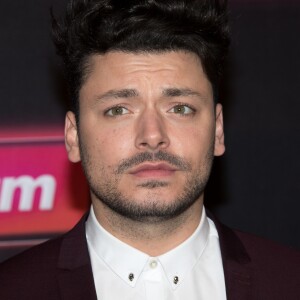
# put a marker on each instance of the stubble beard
(152, 209)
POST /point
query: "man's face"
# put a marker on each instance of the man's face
(148, 131)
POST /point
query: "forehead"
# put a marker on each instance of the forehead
(156, 61)
(118, 69)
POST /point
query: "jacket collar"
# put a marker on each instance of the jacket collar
(75, 275)
(236, 264)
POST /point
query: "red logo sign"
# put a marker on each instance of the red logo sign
(41, 192)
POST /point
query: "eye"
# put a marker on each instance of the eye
(117, 111)
(182, 109)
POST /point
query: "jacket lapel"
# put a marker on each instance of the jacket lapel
(75, 276)
(236, 263)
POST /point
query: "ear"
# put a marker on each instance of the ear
(71, 137)
(219, 134)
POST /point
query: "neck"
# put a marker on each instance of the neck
(152, 238)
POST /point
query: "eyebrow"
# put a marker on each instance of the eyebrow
(123, 93)
(178, 92)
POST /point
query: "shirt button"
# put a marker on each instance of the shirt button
(153, 264)
(131, 277)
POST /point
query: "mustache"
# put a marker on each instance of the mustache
(159, 156)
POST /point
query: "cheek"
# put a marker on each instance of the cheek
(109, 145)
(194, 141)
(116, 140)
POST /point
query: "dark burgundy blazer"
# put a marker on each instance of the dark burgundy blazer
(60, 269)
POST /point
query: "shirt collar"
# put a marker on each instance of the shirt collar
(180, 261)
(125, 260)
(121, 258)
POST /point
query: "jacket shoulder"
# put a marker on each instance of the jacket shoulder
(260, 268)
(33, 271)
(276, 268)
(33, 274)
(42, 255)
(268, 252)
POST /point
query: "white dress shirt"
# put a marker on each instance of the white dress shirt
(193, 270)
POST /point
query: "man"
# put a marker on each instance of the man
(146, 125)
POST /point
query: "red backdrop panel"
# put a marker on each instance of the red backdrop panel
(40, 192)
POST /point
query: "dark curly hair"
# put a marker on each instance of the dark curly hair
(99, 26)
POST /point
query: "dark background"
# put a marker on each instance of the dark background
(254, 187)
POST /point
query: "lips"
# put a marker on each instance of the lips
(153, 170)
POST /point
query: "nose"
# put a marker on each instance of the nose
(151, 132)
